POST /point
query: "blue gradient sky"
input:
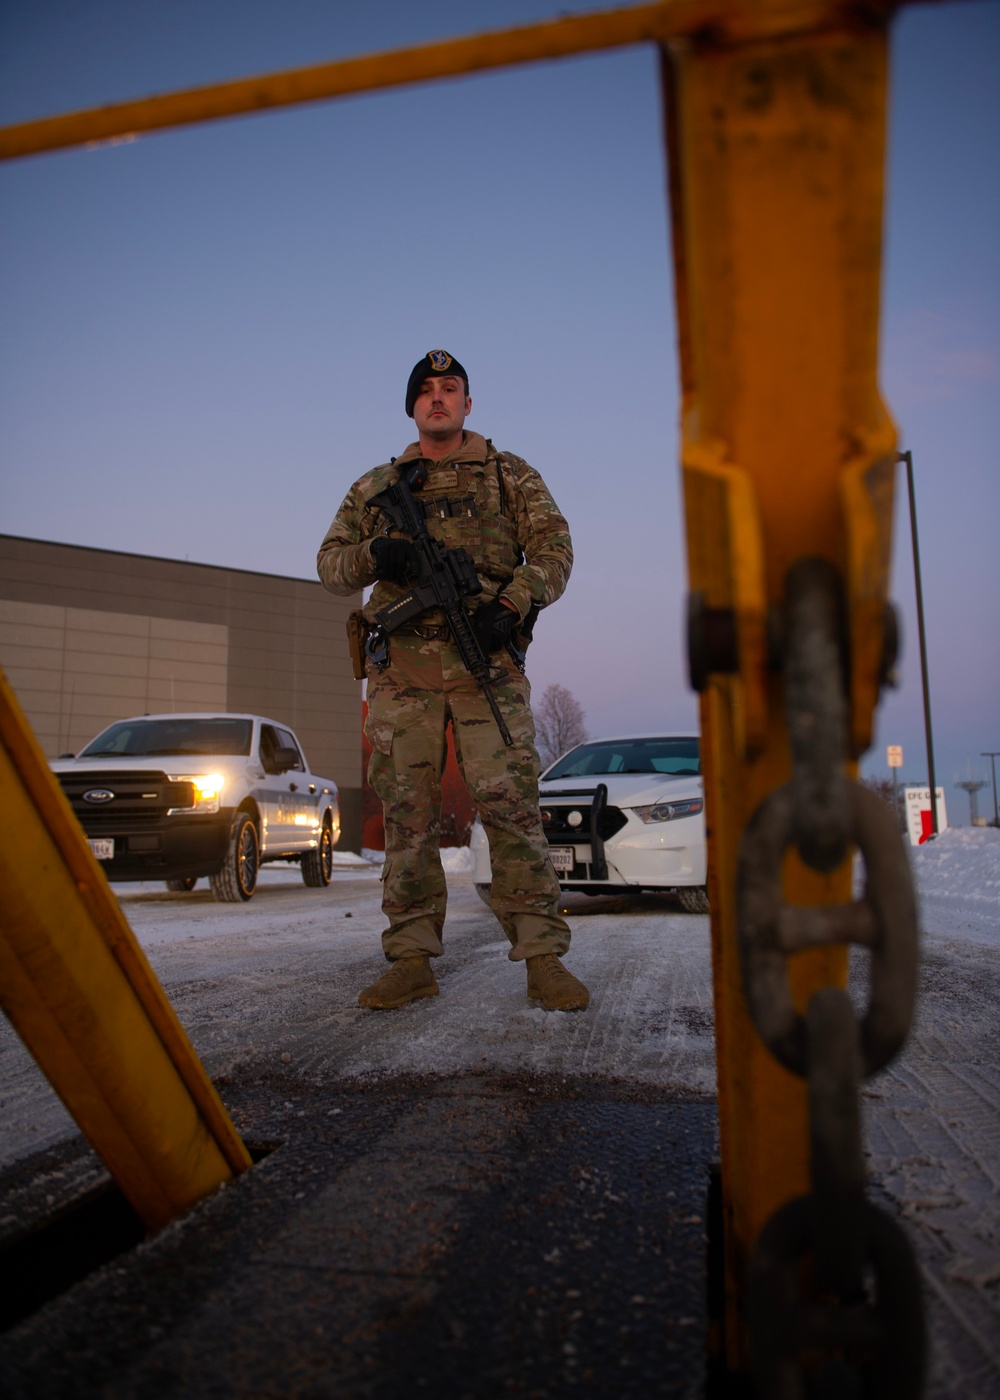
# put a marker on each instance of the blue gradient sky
(205, 335)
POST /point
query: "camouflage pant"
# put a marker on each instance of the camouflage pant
(409, 707)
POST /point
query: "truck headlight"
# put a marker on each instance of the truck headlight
(670, 811)
(207, 789)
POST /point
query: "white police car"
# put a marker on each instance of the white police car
(622, 812)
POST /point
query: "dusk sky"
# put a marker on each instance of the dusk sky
(205, 335)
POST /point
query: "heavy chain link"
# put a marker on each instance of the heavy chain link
(857, 1328)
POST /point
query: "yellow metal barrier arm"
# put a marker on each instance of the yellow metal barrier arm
(450, 58)
(82, 996)
(776, 157)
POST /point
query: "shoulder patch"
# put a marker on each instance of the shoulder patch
(375, 481)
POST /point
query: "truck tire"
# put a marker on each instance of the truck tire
(694, 898)
(237, 879)
(181, 883)
(317, 866)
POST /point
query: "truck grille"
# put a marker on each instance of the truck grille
(135, 797)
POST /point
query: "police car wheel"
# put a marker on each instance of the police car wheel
(483, 892)
(694, 899)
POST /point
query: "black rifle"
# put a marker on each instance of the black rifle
(446, 577)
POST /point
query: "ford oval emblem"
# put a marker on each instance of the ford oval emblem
(99, 795)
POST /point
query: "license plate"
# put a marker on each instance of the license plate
(562, 858)
(103, 849)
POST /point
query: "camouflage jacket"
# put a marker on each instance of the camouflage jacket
(491, 503)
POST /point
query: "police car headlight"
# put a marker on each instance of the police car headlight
(669, 811)
(207, 789)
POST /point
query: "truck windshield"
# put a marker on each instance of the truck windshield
(677, 757)
(149, 738)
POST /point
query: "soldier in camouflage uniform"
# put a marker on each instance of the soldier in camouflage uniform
(495, 506)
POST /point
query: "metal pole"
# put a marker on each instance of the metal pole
(907, 457)
(993, 756)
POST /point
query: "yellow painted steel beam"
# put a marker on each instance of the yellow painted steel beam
(776, 166)
(81, 995)
(726, 20)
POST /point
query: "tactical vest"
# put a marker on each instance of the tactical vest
(467, 505)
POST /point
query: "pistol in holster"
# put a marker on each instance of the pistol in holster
(366, 640)
(357, 628)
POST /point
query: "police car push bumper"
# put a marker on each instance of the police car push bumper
(637, 827)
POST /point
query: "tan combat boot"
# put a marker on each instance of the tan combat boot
(406, 980)
(551, 984)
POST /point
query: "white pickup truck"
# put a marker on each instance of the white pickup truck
(175, 797)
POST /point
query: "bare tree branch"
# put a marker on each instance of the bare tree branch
(559, 723)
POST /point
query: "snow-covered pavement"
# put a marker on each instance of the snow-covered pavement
(932, 1118)
(274, 983)
(958, 881)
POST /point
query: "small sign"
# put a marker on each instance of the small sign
(918, 814)
(894, 755)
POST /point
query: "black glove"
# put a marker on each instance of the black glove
(494, 624)
(394, 560)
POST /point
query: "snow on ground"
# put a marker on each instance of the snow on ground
(280, 976)
(932, 1118)
(455, 859)
(275, 982)
(958, 881)
(271, 988)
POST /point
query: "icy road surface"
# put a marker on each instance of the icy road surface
(275, 982)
